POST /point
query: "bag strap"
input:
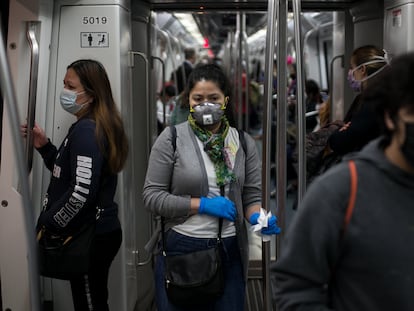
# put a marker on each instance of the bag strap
(348, 212)
(173, 137)
(242, 140)
(352, 195)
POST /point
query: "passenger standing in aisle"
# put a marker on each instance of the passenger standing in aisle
(183, 186)
(181, 108)
(98, 139)
(364, 262)
(183, 71)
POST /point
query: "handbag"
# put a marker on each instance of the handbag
(65, 257)
(195, 278)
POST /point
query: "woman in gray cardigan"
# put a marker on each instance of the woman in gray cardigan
(203, 173)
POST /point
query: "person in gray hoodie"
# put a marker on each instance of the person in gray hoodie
(327, 263)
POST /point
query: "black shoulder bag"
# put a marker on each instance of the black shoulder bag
(195, 278)
(65, 257)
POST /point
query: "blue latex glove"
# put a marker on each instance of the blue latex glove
(218, 206)
(271, 228)
(253, 218)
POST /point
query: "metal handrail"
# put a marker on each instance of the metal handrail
(32, 28)
(132, 54)
(164, 121)
(330, 86)
(299, 101)
(10, 98)
(268, 85)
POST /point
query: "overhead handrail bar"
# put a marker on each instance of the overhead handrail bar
(31, 31)
(29, 228)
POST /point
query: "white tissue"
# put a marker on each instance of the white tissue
(262, 222)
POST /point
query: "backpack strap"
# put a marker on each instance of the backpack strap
(352, 194)
(173, 136)
(242, 140)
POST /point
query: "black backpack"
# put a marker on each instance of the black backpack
(319, 158)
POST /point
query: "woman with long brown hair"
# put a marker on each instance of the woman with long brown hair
(84, 176)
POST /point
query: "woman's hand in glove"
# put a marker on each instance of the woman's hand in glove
(218, 206)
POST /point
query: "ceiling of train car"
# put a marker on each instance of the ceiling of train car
(216, 18)
(242, 4)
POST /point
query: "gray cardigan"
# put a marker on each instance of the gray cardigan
(174, 177)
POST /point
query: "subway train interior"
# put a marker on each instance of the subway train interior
(141, 43)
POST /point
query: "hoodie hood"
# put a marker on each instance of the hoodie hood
(373, 153)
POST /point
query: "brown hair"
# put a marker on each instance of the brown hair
(104, 112)
(368, 53)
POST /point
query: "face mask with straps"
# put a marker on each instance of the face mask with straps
(356, 84)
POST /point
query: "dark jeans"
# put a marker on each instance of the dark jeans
(234, 290)
(90, 292)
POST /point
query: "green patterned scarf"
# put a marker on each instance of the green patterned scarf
(214, 145)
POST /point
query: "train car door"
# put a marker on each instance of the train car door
(97, 30)
(28, 33)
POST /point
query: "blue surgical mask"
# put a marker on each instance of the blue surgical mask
(68, 101)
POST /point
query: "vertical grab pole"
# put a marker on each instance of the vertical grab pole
(32, 28)
(281, 119)
(299, 101)
(245, 53)
(10, 98)
(239, 70)
(268, 84)
(147, 99)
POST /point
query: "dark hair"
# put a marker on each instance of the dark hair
(312, 91)
(209, 72)
(391, 90)
(189, 53)
(169, 90)
(368, 53)
(103, 111)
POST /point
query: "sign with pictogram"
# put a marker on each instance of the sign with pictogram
(94, 39)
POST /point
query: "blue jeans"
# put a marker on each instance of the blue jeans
(234, 288)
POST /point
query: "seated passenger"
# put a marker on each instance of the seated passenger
(360, 124)
(313, 100)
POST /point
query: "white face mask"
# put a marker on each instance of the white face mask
(68, 101)
(376, 59)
